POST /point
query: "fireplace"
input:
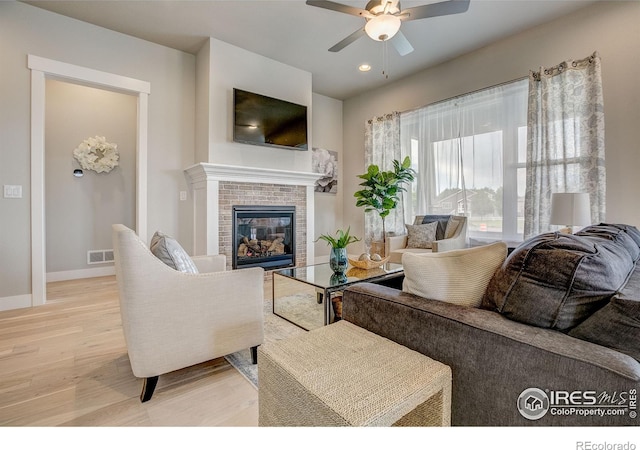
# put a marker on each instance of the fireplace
(263, 236)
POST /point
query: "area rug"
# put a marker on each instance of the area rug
(302, 309)
(242, 362)
(275, 329)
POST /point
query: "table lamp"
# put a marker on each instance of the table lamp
(569, 209)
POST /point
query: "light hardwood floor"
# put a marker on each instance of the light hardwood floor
(65, 364)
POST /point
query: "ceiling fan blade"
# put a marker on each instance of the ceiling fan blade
(333, 6)
(401, 44)
(348, 40)
(436, 9)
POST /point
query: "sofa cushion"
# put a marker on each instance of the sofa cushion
(421, 236)
(626, 235)
(558, 280)
(457, 276)
(442, 221)
(170, 252)
(616, 326)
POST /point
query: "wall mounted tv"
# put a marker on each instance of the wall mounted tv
(262, 120)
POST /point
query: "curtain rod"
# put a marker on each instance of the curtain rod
(466, 93)
(565, 65)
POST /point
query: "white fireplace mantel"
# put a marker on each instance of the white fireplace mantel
(203, 172)
(204, 180)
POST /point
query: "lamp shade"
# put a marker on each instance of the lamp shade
(570, 208)
(382, 27)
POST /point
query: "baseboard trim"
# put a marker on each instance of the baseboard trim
(81, 273)
(15, 302)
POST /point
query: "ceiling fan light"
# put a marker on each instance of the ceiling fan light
(382, 27)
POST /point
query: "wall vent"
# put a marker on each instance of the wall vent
(99, 256)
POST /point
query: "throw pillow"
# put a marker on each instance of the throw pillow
(421, 236)
(170, 252)
(452, 227)
(625, 235)
(557, 280)
(457, 276)
(615, 326)
(441, 220)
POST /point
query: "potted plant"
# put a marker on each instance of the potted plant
(338, 259)
(381, 189)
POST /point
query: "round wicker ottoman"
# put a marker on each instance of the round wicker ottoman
(343, 375)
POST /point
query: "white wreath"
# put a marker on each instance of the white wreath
(97, 154)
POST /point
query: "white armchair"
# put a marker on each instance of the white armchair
(455, 238)
(173, 320)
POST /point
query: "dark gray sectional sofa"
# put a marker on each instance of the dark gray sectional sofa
(556, 341)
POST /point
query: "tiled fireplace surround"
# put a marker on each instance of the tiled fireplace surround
(216, 188)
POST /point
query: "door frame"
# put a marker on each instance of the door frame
(41, 69)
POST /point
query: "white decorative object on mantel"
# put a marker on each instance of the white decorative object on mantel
(95, 153)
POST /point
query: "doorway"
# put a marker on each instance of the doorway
(81, 204)
(41, 70)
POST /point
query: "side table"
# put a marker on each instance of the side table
(303, 295)
(344, 375)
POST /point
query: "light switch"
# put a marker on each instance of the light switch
(183, 195)
(12, 191)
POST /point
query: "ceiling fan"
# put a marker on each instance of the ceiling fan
(384, 17)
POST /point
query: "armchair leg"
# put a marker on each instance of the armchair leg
(148, 386)
(254, 355)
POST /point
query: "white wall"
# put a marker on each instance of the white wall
(610, 27)
(203, 102)
(232, 67)
(28, 30)
(220, 68)
(327, 132)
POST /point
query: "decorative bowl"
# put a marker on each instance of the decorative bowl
(368, 264)
(356, 272)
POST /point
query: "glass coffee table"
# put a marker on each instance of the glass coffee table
(311, 297)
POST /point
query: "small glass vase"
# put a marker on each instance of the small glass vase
(338, 278)
(338, 260)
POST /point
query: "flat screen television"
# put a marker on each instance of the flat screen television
(262, 120)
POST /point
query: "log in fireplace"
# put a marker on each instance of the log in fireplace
(263, 236)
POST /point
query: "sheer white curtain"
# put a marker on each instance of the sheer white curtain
(382, 146)
(565, 145)
(469, 152)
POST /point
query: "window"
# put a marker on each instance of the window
(470, 157)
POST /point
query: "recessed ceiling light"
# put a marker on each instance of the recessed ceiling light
(364, 67)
